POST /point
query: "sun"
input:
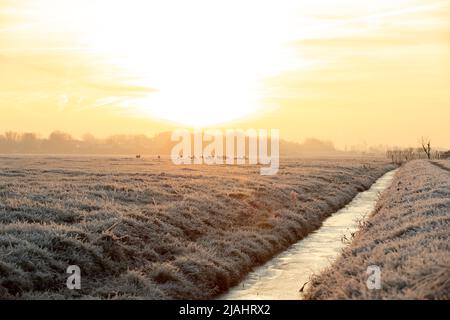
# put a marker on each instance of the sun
(205, 60)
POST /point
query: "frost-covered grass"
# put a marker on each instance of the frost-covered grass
(144, 228)
(408, 236)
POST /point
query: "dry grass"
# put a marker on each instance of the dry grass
(407, 236)
(148, 229)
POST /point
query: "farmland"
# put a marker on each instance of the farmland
(147, 229)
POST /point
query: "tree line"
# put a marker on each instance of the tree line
(63, 143)
(399, 156)
(59, 142)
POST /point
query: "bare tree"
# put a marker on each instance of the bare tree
(426, 146)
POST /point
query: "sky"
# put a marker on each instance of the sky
(353, 72)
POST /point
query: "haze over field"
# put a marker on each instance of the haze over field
(353, 72)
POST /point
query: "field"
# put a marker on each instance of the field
(407, 237)
(146, 229)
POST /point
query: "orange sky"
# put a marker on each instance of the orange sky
(375, 72)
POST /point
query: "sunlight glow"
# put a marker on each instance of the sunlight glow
(205, 59)
(327, 69)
